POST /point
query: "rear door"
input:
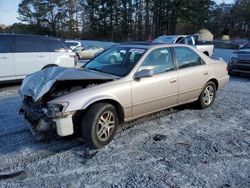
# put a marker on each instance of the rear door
(193, 73)
(30, 56)
(7, 71)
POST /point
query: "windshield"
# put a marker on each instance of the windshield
(117, 61)
(164, 39)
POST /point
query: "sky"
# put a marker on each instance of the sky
(8, 10)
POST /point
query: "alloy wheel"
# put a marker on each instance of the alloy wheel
(105, 126)
(208, 95)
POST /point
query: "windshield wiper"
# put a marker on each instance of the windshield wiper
(98, 70)
(94, 69)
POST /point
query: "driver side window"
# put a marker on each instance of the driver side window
(159, 61)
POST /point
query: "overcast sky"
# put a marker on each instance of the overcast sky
(8, 10)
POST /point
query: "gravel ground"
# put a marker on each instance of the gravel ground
(179, 147)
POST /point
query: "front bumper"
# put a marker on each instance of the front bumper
(43, 126)
(64, 125)
(239, 68)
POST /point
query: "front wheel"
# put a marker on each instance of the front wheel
(207, 95)
(99, 125)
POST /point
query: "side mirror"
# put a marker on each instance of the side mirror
(144, 73)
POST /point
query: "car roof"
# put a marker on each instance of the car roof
(173, 36)
(13, 34)
(145, 44)
(67, 40)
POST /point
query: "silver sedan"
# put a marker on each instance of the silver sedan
(93, 100)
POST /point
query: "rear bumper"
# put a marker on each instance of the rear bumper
(223, 81)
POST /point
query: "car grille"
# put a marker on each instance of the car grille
(243, 65)
(33, 111)
(244, 57)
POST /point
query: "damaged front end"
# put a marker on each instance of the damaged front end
(40, 88)
(41, 125)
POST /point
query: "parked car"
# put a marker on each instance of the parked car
(94, 100)
(73, 43)
(238, 43)
(21, 55)
(239, 63)
(207, 49)
(87, 52)
(169, 39)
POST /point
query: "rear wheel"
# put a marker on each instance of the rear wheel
(207, 95)
(99, 125)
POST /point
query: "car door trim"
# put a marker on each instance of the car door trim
(155, 99)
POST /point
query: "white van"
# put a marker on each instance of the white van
(21, 55)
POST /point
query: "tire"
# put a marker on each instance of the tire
(97, 118)
(112, 59)
(207, 95)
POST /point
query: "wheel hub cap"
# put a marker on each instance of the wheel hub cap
(105, 125)
(208, 95)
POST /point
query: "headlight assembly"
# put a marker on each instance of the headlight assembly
(55, 110)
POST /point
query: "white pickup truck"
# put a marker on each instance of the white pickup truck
(207, 49)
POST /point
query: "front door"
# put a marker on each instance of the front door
(159, 91)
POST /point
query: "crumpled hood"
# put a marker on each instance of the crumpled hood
(39, 83)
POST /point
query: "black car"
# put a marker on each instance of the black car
(240, 61)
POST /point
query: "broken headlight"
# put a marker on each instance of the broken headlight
(55, 110)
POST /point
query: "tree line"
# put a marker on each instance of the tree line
(124, 20)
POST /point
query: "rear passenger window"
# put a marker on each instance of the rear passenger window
(5, 44)
(29, 44)
(55, 45)
(187, 57)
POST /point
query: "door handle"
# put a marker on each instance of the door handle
(41, 56)
(173, 80)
